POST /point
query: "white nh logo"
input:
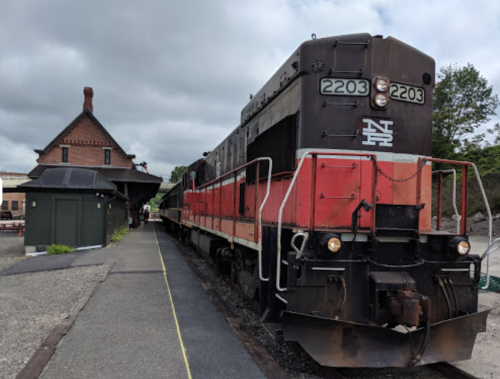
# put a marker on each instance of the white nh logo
(376, 133)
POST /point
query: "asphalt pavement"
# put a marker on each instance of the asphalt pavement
(129, 328)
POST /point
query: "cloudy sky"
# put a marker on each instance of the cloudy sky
(171, 77)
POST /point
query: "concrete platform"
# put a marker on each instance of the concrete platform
(138, 324)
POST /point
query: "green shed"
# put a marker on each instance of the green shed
(72, 206)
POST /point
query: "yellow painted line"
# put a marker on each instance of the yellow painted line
(173, 309)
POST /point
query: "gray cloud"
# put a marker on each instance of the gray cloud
(170, 78)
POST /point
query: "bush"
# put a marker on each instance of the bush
(119, 234)
(59, 249)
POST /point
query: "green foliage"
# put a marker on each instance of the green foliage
(59, 249)
(155, 201)
(177, 173)
(462, 102)
(119, 234)
(475, 199)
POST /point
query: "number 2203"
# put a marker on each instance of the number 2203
(407, 93)
(344, 87)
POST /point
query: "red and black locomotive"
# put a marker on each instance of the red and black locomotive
(319, 205)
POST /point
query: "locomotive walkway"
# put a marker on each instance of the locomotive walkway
(139, 324)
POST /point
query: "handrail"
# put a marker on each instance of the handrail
(231, 172)
(259, 223)
(489, 250)
(261, 276)
(300, 251)
(464, 204)
(490, 220)
(464, 165)
(295, 175)
(454, 198)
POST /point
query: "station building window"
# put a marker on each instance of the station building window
(15, 205)
(64, 155)
(107, 156)
(5, 205)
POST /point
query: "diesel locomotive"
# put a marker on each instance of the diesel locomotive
(318, 205)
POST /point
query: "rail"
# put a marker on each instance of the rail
(465, 182)
(258, 220)
(440, 193)
(314, 155)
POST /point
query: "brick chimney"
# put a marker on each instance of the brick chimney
(89, 94)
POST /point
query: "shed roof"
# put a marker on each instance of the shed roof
(115, 174)
(70, 178)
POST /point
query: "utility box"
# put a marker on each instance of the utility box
(72, 206)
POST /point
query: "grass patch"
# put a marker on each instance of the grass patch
(59, 249)
(119, 234)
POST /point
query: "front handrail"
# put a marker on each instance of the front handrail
(454, 197)
(294, 179)
(464, 203)
(490, 221)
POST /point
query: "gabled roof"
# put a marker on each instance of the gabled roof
(86, 113)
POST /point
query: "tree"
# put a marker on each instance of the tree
(177, 173)
(155, 201)
(462, 103)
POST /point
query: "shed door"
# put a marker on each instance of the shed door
(67, 225)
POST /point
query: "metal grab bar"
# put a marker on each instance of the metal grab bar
(354, 165)
(464, 204)
(323, 196)
(301, 251)
(261, 276)
(454, 198)
(490, 219)
(489, 250)
(295, 175)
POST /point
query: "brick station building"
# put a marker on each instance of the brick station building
(85, 143)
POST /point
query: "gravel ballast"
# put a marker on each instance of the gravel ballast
(31, 305)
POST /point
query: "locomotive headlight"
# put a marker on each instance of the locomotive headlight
(334, 244)
(381, 100)
(330, 243)
(382, 84)
(463, 247)
(460, 245)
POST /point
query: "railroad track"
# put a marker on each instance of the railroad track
(266, 362)
(445, 370)
(449, 371)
